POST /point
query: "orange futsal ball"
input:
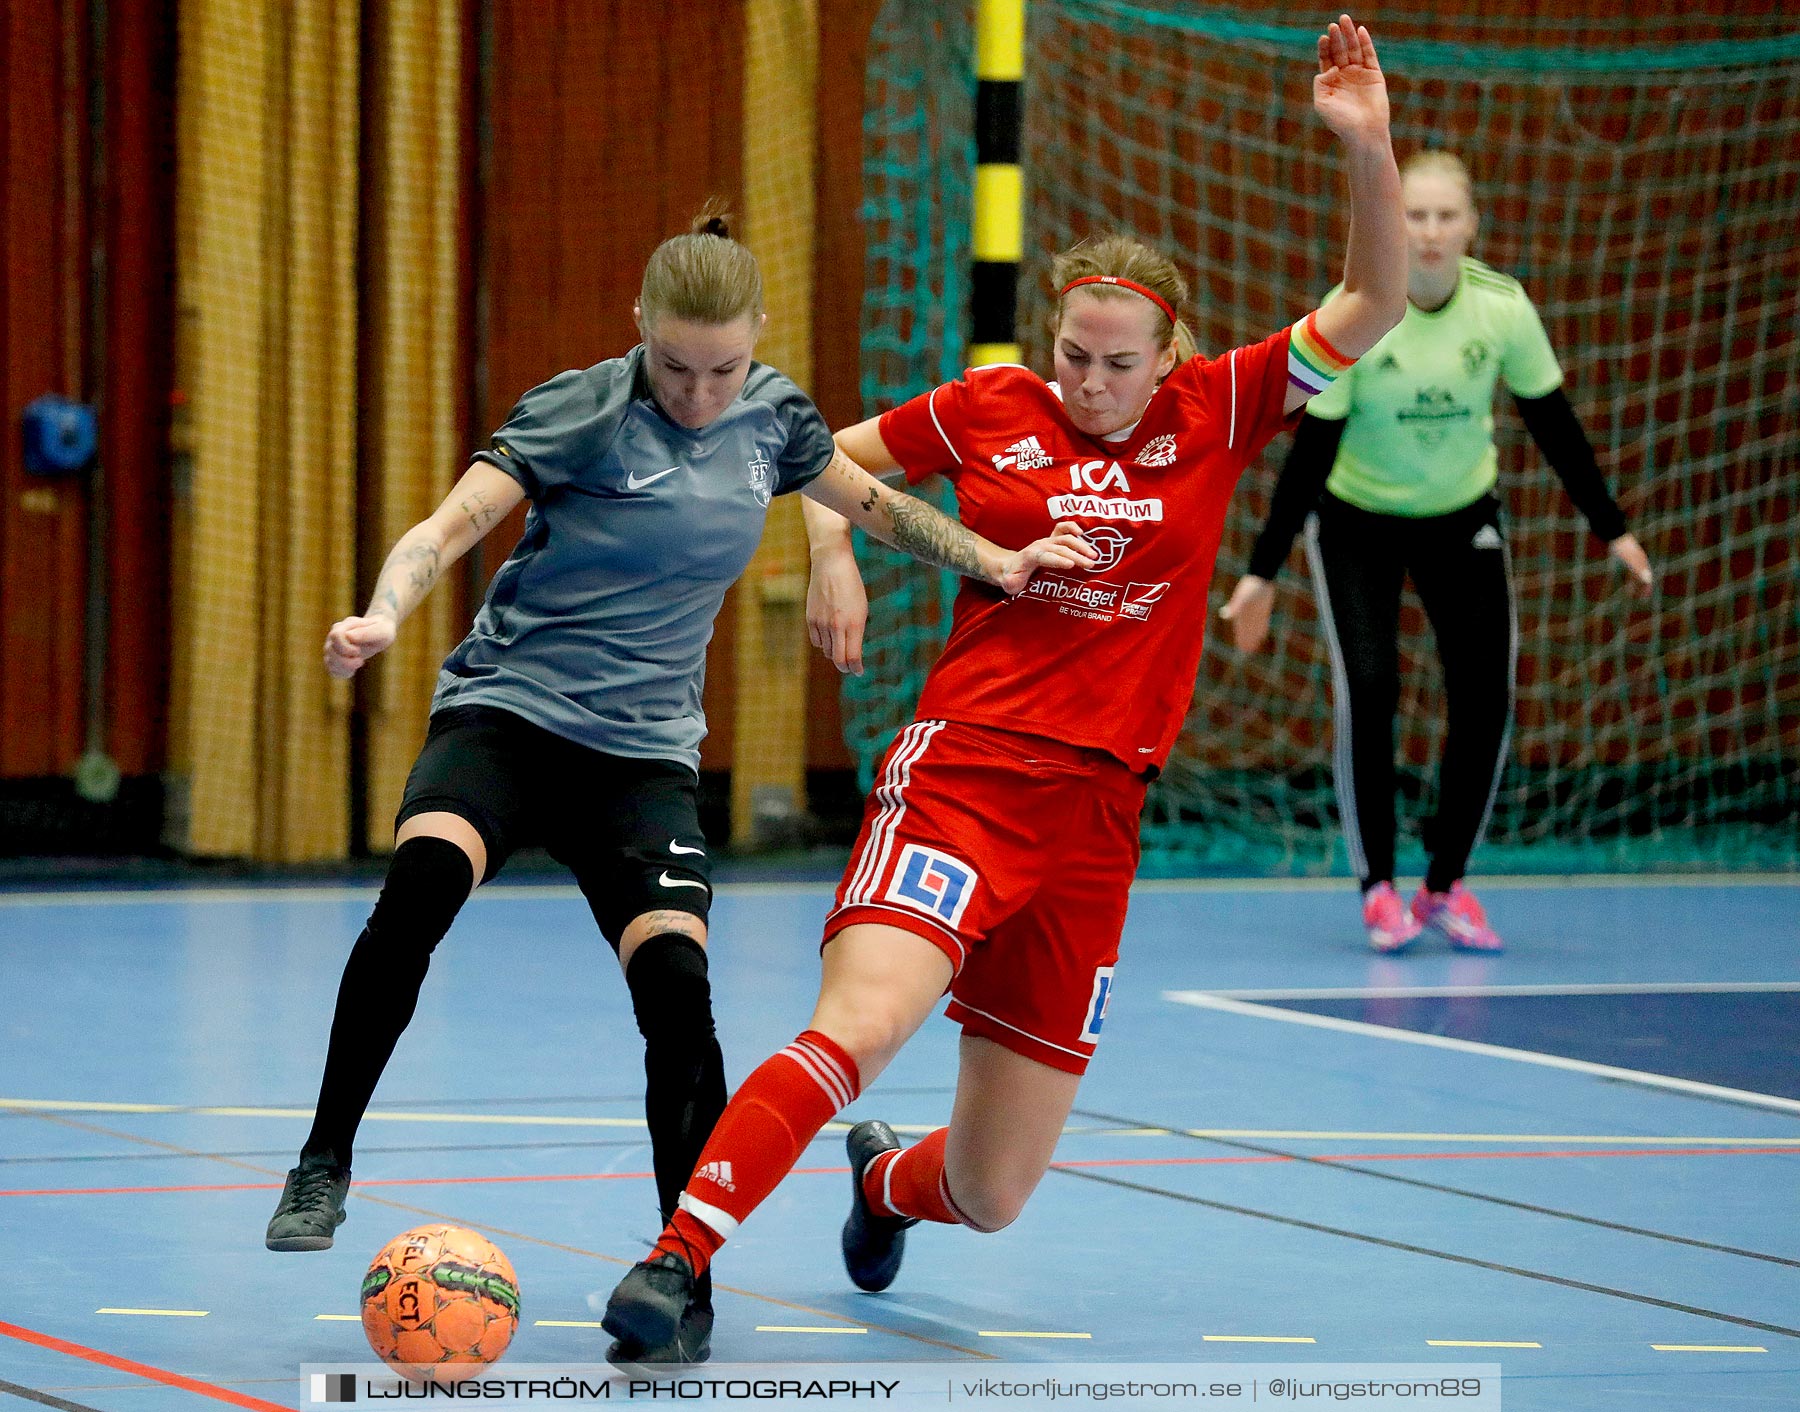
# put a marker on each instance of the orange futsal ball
(440, 1303)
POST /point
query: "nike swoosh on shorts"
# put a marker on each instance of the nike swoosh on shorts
(675, 847)
(635, 482)
(668, 881)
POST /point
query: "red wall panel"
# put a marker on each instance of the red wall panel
(42, 522)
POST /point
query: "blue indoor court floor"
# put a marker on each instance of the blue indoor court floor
(1579, 1160)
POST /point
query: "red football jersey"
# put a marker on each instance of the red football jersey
(1107, 657)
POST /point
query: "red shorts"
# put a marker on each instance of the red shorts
(1014, 856)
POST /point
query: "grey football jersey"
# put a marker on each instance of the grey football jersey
(596, 625)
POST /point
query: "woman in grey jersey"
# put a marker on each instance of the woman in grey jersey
(1396, 466)
(570, 715)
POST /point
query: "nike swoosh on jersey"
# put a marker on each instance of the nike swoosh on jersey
(633, 481)
(668, 881)
(675, 847)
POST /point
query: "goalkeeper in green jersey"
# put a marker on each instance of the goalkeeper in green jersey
(1393, 473)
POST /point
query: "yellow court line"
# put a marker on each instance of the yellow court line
(803, 1329)
(1018, 1333)
(1709, 1348)
(565, 1323)
(166, 1313)
(1251, 1338)
(1477, 1343)
(340, 1318)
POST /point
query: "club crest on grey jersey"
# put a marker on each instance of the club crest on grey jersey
(762, 479)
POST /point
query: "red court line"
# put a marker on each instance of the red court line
(1273, 1157)
(142, 1370)
(1428, 1156)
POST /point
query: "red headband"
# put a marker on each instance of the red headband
(1134, 287)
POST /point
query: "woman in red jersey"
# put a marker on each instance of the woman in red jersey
(1000, 841)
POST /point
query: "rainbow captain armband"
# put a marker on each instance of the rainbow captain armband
(1313, 364)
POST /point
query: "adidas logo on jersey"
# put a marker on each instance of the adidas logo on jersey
(1158, 451)
(1487, 537)
(1026, 455)
(718, 1173)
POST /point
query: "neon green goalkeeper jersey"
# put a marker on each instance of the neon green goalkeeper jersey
(1419, 405)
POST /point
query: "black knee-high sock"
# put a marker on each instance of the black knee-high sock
(428, 881)
(684, 1072)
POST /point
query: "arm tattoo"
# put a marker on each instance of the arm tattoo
(423, 574)
(412, 566)
(874, 496)
(933, 537)
(481, 513)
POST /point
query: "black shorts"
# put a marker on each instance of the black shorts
(628, 829)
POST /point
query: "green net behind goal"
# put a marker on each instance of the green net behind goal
(918, 204)
(1647, 196)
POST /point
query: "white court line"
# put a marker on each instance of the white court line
(24, 1106)
(1204, 1001)
(500, 892)
(541, 1120)
(65, 1105)
(336, 892)
(1435, 992)
(1500, 882)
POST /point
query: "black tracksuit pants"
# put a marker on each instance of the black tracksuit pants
(1459, 567)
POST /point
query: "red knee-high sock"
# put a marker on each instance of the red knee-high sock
(764, 1129)
(911, 1182)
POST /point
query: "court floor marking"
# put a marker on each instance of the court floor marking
(33, 1395)
(1262, 1155)
(1461, 992)
(566, 892)
(32, 1107)
(142, 1370)
(1204, 1000)
(1411, 1249)
(1254, 1338)
(543, 1120)
(160, 1313)
(494, 1230)
(806, 1329)
(1708, 1348)
(1478, 1343)
(1346, 1163)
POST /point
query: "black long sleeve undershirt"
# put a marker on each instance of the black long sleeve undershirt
(1557, 431)
(1553, 426)
(1297, 491)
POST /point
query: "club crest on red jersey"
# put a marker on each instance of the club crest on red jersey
(1158, 451)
